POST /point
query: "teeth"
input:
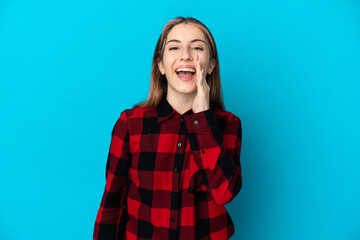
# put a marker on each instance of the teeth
(185, 70)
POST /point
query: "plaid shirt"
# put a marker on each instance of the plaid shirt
(168, 176)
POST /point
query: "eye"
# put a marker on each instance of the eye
(198, 48)
(173, 48)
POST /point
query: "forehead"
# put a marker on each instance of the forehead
(184, 32)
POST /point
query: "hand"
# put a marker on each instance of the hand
(202, 98)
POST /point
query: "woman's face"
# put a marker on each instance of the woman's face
(183, 43)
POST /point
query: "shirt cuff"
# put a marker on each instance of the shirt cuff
(203, 131)
(200, 121)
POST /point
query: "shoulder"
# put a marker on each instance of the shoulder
(226, 115)
(130, 118)
(136, 113)
(228, 123)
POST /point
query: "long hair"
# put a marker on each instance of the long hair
(158, 82)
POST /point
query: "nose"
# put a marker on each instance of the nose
(185, 55)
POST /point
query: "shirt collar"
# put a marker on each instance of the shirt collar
(166, 111)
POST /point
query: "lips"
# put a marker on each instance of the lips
(189, 67)
(185, 72)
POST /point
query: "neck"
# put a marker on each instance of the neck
(181, 102)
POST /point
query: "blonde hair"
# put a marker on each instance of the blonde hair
(158, 82)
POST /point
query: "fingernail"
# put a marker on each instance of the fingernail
(197, 57)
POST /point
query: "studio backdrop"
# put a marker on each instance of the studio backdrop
(289, 69)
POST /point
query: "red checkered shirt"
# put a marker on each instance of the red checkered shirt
(168, 176)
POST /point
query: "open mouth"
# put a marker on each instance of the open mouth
(185, 73)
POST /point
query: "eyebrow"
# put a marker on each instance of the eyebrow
(178, 41)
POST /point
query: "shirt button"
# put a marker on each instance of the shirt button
(196, 122)
(175, 169)
(172, 219)
(182, 119)
(179, 144)
(202, 151)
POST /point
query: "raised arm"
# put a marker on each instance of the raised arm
(216, 147)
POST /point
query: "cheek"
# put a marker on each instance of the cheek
(168, 63)
(205, 66)
(205, 63)
(168, 56)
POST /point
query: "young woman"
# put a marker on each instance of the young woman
(174, 159)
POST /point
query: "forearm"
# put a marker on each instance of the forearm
(217, 153)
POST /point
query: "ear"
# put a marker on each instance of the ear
(211, 66)
(161, 68)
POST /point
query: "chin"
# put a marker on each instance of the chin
(183, 88)
(187, 90)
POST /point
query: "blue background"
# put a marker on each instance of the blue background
(289, 69)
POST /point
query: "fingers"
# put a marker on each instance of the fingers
(199, 71)
(201, 101)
